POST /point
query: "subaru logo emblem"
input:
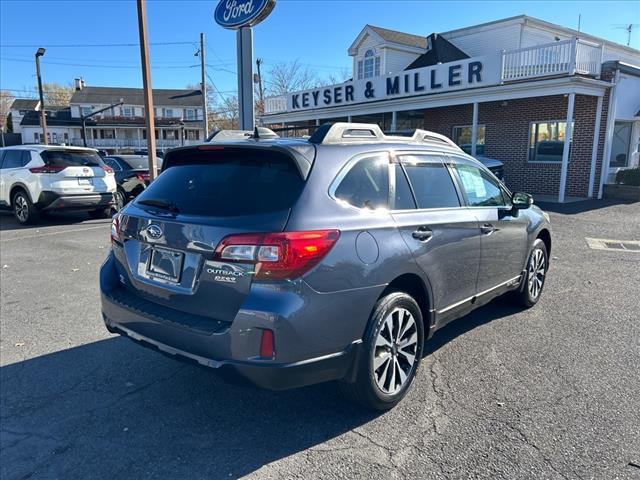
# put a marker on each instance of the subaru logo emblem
(154, 231)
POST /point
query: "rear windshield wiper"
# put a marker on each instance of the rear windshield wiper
(165, 204)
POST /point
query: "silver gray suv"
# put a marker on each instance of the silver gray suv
(292, 262)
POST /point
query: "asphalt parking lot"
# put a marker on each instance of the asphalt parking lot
(552, 392)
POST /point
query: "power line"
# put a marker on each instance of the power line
(67, 64)
(91, 45)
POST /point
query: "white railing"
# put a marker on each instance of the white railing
(275, 104)
(122, 143)
(558, 58)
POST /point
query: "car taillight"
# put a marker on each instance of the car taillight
(47, 169)
(267, 345)
(143, 177)
(278, 256)
(115, 229)
(107, 168)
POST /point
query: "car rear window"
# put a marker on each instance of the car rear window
(229, 185)
(139, 163)
(68, 158)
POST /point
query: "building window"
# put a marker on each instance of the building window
(193, 135)
(190, 114)
(621, 144)
(546, 141)
(66, 137)
(370, 66)
(86, 111)
(127, 112)
(36, 137)
(168, 112)
(462, 138)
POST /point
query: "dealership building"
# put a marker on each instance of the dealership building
(560, 108)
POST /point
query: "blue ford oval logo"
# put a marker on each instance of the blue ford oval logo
(242, 13)
(154, 231)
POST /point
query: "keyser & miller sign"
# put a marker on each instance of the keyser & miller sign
(459, 75)
(235, 14)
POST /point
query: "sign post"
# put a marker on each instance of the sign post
(241, 15)
(245, 78)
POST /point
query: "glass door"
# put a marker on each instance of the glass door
(621, 144)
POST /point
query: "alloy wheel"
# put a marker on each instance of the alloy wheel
(395, 352)
(22, 208)
(119, 201)
(536, 273)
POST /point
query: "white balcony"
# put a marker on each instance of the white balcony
(567, 57)
(129, 143)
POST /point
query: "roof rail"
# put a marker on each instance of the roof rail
(343, 132)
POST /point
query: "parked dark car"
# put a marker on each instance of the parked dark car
(145, 152)
(132, 176)
(294, 262)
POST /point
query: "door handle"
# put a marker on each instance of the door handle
(488, 229)
(422, 234)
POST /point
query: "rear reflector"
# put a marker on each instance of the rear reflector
(278, 256)
(47, 169)
(267, 349)
(107, 168)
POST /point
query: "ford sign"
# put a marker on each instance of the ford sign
(235, 14)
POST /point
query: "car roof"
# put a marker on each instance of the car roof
(42, 148)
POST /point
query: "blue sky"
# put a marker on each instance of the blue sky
(317, 33)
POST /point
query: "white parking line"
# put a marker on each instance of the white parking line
(53, 233)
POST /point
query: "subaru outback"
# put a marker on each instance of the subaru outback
(293, 262)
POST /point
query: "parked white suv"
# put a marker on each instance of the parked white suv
(38, 178)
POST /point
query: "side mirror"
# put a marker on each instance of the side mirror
(521, 200)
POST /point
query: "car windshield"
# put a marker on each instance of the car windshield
(71, 158)
(139, 163)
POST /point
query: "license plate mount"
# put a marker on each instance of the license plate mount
(166, 264)
(85, 181)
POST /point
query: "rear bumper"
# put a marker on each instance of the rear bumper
(49, 201)
(281, 376)
(317, 336)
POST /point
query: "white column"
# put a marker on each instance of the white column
(139, 137)
(594, 149)
(317, 121)
(349, 118)
(565, 149)
(608, 139)
(474, 129)
(394, 121)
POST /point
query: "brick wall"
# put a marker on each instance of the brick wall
(507, 139)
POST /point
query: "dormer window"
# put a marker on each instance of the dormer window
(370, 66)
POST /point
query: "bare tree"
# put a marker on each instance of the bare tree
(57, 95)
(6, 100)
(341, 76)
(222, 109)
(284, 78)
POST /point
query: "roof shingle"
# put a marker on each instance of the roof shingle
(401, 37)
(135, 96)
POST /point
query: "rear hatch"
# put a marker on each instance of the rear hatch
(167, 238)
(73, 172)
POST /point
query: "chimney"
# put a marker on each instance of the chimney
(79, 84)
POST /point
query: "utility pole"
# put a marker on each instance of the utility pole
(43, 116)
(204, 87)
(260, 87)
(148, 92)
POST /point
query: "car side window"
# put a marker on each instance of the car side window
(12, 159)
(26, 158)
(431, 181)
(112, 163)
(403, 198)
(1, 158)
(366, 184)
(479, 187)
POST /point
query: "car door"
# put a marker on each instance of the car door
(503, 229)
(12, 164)
(442, 235)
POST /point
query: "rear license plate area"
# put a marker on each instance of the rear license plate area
(85, 181)
(165, 265)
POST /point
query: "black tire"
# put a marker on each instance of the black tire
(23, 209)
(119, 200)
(100, 213)
(366, 389)
(529, 294)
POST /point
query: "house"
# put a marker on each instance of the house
(19, 108)
(556, 106)
(178, 119)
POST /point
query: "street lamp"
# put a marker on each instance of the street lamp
(43, 117)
